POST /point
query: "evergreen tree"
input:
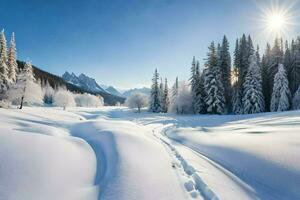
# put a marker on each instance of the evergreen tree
(296, 100)
(215, 99)
(175, 94)
(253, 99)
(155, 94)
(267, 89)
(294, 69)
(237, 97)
(193, 82)
(280, 100)
(4, 80)
(225, 67)
(12, 60)
(199, 106)
(161, 95)
(166, 100)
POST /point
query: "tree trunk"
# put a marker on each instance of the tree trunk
(139, 110)
(22, 99)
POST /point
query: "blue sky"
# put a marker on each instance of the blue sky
(121, 42)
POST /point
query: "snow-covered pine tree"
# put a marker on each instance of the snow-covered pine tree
(225, 66)
(280, 100)
(296, 100)
(214, 100)
(193, 82)
(265, 63)
(199, 106)
(237, 97)
(161, 95)
(294, 70)
(175, 94)
(26, 90)
(4, 79)
(155, 94)
(12, 60)
(253, 99)
(166, 100)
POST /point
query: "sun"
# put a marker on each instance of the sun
(277, 19)
(276, 22)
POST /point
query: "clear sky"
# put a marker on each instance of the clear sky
(121, 42)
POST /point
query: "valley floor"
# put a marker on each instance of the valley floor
(113, 153)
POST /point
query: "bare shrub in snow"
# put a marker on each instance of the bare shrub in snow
(182, 102)
(64, 98)
(88, 100)
(137, 100)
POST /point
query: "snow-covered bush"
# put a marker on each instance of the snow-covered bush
(88, 100)
(64, 98)
(137, 100)
(25, 90)
(48, 92)
(296, 100)
(182, 103)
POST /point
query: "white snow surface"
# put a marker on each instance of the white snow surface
(114, 153)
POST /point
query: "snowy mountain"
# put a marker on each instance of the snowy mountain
(143, 90)
(83, 81)
(113, 91)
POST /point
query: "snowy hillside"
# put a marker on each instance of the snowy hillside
(114, 153)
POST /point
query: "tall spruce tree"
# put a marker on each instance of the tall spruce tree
(215, 100)
(175, 94)
(4, 79)
(166, 100)
(155, 94)
(267, 89)
(199, 106)
(225, 67)
(253, 99)
(294, 68)
(281, 93)
(12, 60)
(237, 96)
(193, 82)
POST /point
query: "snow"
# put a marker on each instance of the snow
(115, 153)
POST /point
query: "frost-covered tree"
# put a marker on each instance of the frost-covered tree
(26, 90)
(137, 100)
(193, 82)
(161, 95)
(214, 100)
(4, 79)
(48, 92)
(64, 98)
(12, 60)
(174, 96)
(253, 99)
(166, 99)
(296, 100)
(280, 100)
(88, 100)
(182, 104)
(155, 94)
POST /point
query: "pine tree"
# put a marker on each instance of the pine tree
(175, 94)
(225, 67)
(267, 89)
(12, 60)
(161, 95)
(166, 100)
(4, 80)
(155, 94)
(215, 99)
(199, 106)
(193, 82)
(253, 99)
(237, 97)
(280, 100)
(296, 100)
(294, 68)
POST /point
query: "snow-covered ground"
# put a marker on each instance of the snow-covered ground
(114, 153)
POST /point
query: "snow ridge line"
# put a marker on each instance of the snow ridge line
(196, 182)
